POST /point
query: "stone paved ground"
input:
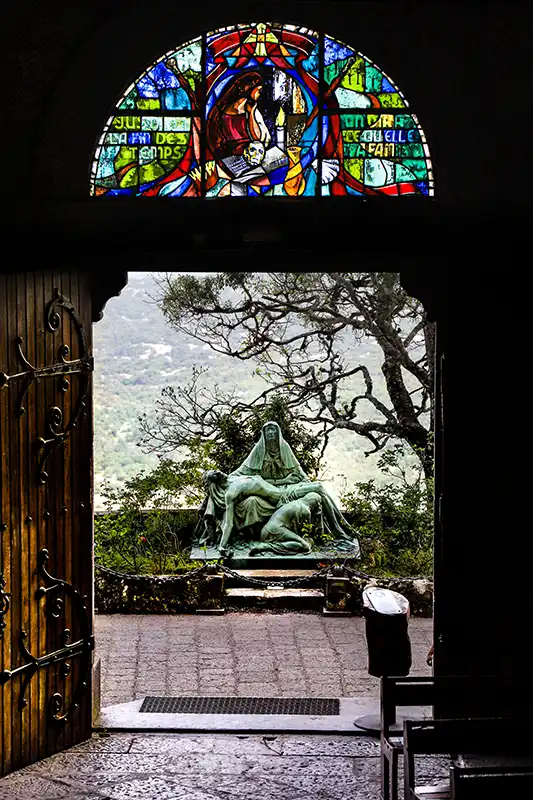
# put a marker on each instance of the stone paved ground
(270, 655)
(210, 767)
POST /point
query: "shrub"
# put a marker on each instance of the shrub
(394, 521)
(142, 533)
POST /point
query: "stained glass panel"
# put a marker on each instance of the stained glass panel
(262, 109)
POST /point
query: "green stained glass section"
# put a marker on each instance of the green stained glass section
(383, 150)
(189, 63)
(348, 73)
(148, 103)
(130, 100)
(373, 79)
(392, 100)
(126, 123)
(355, 167)
(416, 167)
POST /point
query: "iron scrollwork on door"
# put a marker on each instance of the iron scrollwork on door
(55, 590)
(81, 648)
(4, 604)
(57, 429)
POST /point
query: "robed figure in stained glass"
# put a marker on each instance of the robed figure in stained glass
(236, 119)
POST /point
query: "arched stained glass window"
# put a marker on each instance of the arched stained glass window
(262, 109)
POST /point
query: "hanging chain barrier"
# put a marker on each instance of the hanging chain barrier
(207, 569)
(336, 570)
(278, 584)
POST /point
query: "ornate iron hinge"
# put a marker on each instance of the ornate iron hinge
(81, 648)
(58, 429)
(4, 604)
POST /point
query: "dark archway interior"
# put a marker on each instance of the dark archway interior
(464, 69)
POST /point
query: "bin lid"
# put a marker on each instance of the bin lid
(385, 601)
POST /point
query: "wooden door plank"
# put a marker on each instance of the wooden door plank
(33, 355)
(5, 519)
(46, 514)
(14, 297)
(23, 701)
(39, 697)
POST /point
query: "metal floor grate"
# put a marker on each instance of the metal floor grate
(308, 706)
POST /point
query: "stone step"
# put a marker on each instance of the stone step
(276, 573)
(280, 599)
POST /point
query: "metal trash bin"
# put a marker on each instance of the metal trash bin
(386, 616)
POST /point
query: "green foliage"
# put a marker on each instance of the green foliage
(394, 521)
(142, 532)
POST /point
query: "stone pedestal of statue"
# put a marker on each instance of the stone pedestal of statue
(239, 558)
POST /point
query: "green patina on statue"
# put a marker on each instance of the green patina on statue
(270, 491)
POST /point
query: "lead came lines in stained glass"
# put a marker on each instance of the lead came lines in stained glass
(262, 93)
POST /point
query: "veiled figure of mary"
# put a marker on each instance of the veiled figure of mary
(273, 460)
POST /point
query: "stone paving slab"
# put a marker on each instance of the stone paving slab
(241, 654)
(209, 767)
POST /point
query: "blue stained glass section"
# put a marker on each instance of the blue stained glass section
(334, 51)
(156, 79)
(176, 188)
(310, 177)
(325, 127)
(218, 89)
(175, 99)
(387, 86)
(106, 164)
(422, 186)
(139, 137)
(209, 64)
(311, 64)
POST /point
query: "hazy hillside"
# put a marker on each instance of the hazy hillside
(137, 354)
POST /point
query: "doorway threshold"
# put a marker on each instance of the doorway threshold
(125, 717)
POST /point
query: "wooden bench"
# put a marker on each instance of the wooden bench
(450, 696)
(492, 782)
(483, 773)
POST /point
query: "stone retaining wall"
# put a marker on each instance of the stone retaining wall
(115, 594)
(155, 595)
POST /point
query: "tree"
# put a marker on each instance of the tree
(298, 328)
(230, 438)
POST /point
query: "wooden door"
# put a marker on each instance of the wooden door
(46, 594)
